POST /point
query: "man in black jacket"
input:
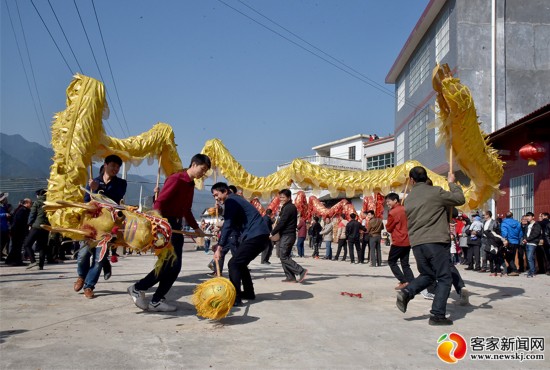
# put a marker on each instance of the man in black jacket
(286, 228)
(19, 230)
(352, 231)
(532, 235)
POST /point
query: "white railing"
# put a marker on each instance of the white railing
(338, 163)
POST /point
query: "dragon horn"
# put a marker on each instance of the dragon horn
(77, 205)
(67, 230)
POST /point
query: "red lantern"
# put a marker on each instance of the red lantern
(532, 152)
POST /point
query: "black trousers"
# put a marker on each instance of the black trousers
(458, 283)
(233, 244)
(400, 254)
(341, 244)
(521, 258)
(267, 252)
(365, 249)
(433, 261)
(351, 244)
(474, 256)
(238, 264)
(15, 257)
(375, 250)
(40, 236)
(510, 256)
(169, 271)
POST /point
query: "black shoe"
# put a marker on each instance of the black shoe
(238, 303)
(469, 268)
(402, 300)
(439, 321)
(107, 271)
(248, 296)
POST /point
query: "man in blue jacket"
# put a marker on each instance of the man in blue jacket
(239, 214)
(511, 231)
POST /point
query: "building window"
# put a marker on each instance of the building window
(401, 94)
(351, 153)
(380, 162)
(418, 134)
(400, 148)
(420, 68)
(442, 37)
(522, 195)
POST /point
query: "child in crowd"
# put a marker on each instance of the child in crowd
(476, 226)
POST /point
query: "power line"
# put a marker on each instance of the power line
(26, 75)
(363, 78)
(97, 65)
(32, 71)
(66, 39)
(47, 29)
(110, 69)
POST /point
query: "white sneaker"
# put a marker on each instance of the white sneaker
(138, 296)
(161, 306)
(464, 297)
(427, 295)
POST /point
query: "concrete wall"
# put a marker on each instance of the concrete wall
(342, 150)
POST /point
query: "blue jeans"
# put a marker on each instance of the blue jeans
(89, 272)
(328, 253)
(206, 245)
(531, 258)
(300, 246)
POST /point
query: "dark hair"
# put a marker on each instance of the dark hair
(221, 187)
(201, 159)
(530, 214)
(343, 215)
(509, 214)
(392, 196)
(429, 182)
(418, 174)
(489, 213)
(286, 193)
(546, 214)
(316, 218)
(233, 189)
(268, 211)
(113, 158)
(352, 216)
(40, 192)
(370, 211)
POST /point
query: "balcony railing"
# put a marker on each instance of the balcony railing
(337, 163)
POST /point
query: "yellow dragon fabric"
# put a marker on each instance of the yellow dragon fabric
(459, 130)
(78, 137)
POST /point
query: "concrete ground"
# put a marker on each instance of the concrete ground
(44, 324)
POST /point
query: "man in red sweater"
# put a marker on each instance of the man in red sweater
(174, 203)
(400, 246)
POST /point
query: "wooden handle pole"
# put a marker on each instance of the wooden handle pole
(90, 172)
(218, 268)
(158, 176)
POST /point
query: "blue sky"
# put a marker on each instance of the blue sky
(209, 71)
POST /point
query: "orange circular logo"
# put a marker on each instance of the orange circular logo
(452, 347)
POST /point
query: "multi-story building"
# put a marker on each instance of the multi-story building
(498, 48)
(358, 152)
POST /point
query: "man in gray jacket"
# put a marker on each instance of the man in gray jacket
(430, 240)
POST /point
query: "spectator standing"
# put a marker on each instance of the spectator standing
(512, 234)
(37, 217)
(19, 230)
(266, 253)
(327, 238)
(302, 230)
(532, 234)
(353, 229)
(316, 236)
(375, 236)
(5, 218)
(286, 228)
(341, 236)
(488, 225)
